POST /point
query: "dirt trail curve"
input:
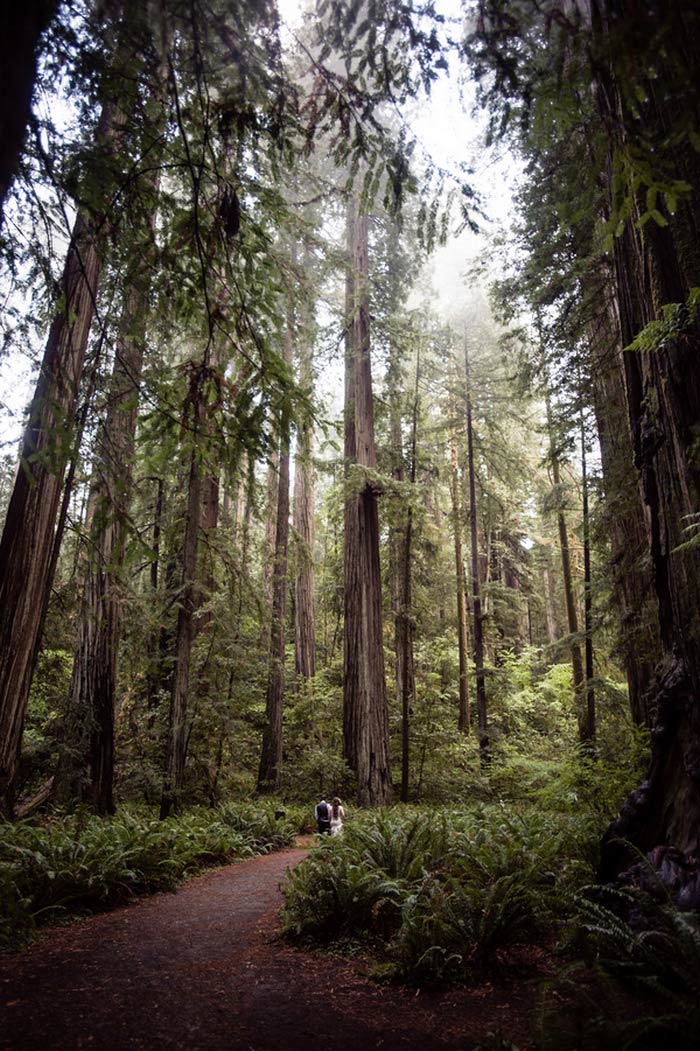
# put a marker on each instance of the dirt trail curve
(204, 969)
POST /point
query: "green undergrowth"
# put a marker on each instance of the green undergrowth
(447, 896)
(633, 977)
(438, 895)
(72, 864)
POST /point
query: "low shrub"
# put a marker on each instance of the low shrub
(82, 862)
(440, 895)
(636, 984)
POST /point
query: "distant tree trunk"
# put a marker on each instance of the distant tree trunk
(186, 628)
(365, 716)
(657, 265)
(21, 26)
(271, 758)
(589, 732)
(28, 535)
(462, 623)
(476, 586)
(398, 534)
(407, 673)
(550, 615)
(569, 596)
(272, 488)
(303, 517)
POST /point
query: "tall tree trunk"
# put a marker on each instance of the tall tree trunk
(86, 771)
(476, 586)
(271, 757)
(550, 615)
(21, 26)
(657, 265)
(589, 732)
(303, 517)
(173, 784)
(639, 640)
(272, 489)
(462, 623)
(569, 595)
(365, 716)
(398, 530)
(408, 681)
(28, 535)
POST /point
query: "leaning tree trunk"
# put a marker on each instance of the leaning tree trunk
(271, 758)
(28, 535)
(365, 715)
(658, 265)
(21, 26)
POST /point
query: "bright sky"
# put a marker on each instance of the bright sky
(449, 133)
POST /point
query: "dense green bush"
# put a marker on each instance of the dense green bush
(69, 864)
(441, 894)
(636, 981)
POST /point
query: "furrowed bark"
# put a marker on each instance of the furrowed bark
(365, 715)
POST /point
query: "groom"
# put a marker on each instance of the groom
(322, 813)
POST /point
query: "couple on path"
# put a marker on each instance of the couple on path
(329, 817)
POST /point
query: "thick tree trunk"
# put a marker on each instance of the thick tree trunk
(28, 535)
(21, 26)
(93, 684)
(365, 716)
(640, 644)
(186, 627)
(476, 585)
(658, 265)
(271, 757)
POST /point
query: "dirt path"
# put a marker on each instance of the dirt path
(204, 968)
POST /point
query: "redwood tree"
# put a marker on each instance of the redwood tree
(365, 717)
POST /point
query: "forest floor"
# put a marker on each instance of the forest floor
(205, 967)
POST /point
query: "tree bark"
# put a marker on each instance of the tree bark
(408, 680)
(476, 586)
(303, 520)
(271, 757)
(639, 639)
(657, 265)
(28, 535)
(462, 623)
(171, 799)
(88, 774)
(589, 731)
(21, 26)
(365, 715)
